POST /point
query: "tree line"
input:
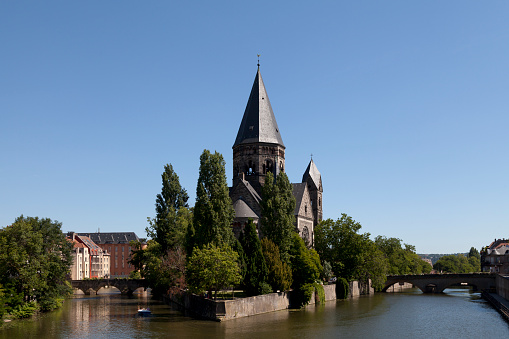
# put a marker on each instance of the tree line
(194, 248)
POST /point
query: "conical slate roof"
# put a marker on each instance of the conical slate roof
(312, 172)
(258, 123)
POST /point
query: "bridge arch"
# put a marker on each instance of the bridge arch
(437, 283)
(126, 286)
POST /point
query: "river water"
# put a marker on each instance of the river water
(454, 314)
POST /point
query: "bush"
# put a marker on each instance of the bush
(320, 294)
(265, 288)
(25, 310)
(135, 275)
(50, 304)
(342, 288)
(302, 295)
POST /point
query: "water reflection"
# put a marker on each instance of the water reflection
(457, 313)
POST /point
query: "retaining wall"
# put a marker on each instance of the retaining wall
(502, 285)
(231, 309)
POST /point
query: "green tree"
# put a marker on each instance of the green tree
(306, 267)
(278, 207)
(474, 259)
(255, 280)
(164, 273)
(35, 258)
(213, 210)
(279, 272)
(173, 215)
(455, 263)
(212, 268)
(327, 271)
(352, 255)
(474, 253)
(401, 260)
(339, 243)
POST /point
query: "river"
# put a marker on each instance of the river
(458, 313)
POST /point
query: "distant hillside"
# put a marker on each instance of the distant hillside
(434, 257)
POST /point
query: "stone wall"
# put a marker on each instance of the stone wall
(502, 284)
(231, 309)
(357, 288)
(246, 307)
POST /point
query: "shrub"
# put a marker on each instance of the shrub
(25, 310)
(342, 288)
(302, 295)
(320, 294)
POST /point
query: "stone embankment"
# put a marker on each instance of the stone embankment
(221, 310)
(500, 300)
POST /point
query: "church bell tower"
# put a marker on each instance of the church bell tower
(258, 148)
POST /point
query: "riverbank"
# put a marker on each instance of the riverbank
(499, 300)
(221, 310)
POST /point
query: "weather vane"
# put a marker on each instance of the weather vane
(311, 156)
(258, 60)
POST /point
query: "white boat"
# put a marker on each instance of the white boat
(144, 311)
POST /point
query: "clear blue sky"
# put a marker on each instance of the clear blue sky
(403, 104)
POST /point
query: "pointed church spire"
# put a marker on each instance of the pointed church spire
(258, 123)
(313, 174)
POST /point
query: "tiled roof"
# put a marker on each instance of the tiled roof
(258, 123)
(89, 243)
(298, 193)
(242, 210)
(112, 237)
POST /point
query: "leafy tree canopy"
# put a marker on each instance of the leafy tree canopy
(352, 256)
(401, 260)
(165, 273)
(305, 263)
(35, 258)
(212, 268)
(457, 264)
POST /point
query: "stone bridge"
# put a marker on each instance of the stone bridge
(126, 286)
(437, 283)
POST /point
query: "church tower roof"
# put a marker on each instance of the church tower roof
(313, 173)
(258, 123)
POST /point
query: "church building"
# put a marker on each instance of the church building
(258, 150)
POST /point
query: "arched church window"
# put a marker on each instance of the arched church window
(251, 168)
(319, 201)
(305, 235)
(269, 167)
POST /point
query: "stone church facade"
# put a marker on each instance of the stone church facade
(258, 150)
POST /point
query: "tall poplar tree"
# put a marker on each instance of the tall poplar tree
(213, 210)
(255, 279)
(278, 207)
(173, 216)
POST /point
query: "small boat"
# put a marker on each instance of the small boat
(144, 311)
